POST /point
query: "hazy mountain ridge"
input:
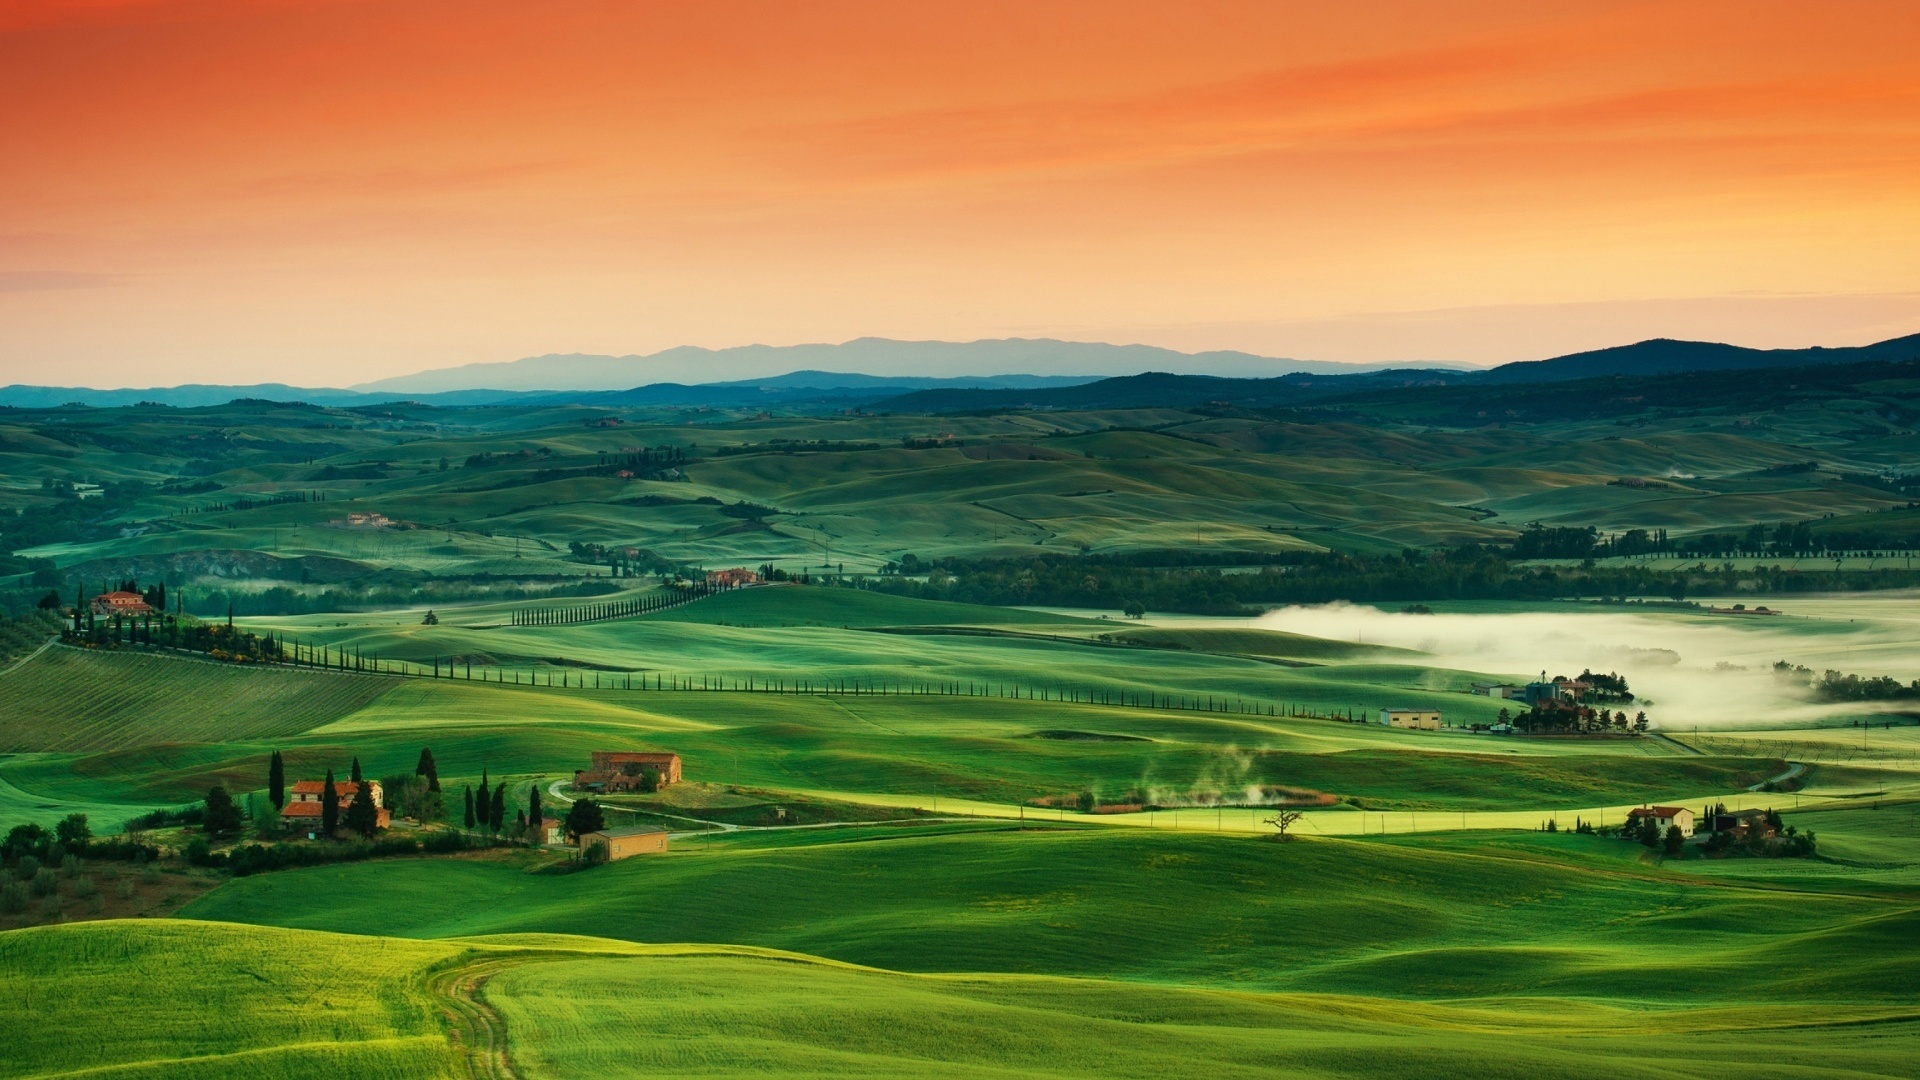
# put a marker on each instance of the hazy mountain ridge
(1153, 385)
(1041, 358)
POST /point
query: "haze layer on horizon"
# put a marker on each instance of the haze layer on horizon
(324, 192)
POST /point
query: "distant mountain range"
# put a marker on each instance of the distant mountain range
(1664, 356)
(1241, 378)
(1044, 357)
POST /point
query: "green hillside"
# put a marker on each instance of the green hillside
(210, 999)
(69, 699)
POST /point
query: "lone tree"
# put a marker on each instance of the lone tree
(73, 831)
(276, 781)
(1135, 609)
(1282, 820)
(329, 806)
(431, 619)
(470, 818)
(428, 768)
(222, 817)
(585, 817)
(362, 816)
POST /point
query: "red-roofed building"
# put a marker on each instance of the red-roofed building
(121, 603)
(619, 770)
(1664, 816)
(730, 579)
(305, 809)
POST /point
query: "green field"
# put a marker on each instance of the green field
(209, 999)
(1568, 917)
(67, 700)
(922, 838)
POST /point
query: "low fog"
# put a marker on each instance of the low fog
(1687, 671)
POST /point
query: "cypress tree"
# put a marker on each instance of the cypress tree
(276, 781)
(497, 813)
(428, 768)
(534, 814)
(329, 806)
(356, 770)
(362, 816)
(470, 819)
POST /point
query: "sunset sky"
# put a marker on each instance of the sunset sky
(324, 192)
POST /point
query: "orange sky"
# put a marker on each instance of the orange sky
(324, 191)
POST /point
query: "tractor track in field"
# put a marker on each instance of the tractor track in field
(473, 1027)
(23, 661)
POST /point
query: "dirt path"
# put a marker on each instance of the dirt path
(1671, 741)
(474, 1027)
(23, 661)
(1796, 770)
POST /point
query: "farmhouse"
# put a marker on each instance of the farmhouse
(1545, 689)
(626, 843)
(619, 770)
(730, 579)
(120, 603)
(1664, 816)
(553, 831)
(1502, 691)
(1417, 719)
(304, 811)
(358, 520)
(1745, 824)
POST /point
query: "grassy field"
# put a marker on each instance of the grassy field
(1544, 914)
(70, 700)
(767, 1016)
(178, 999)
(190, 999)
(503, 490)
(1421, 926)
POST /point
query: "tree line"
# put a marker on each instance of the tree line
(1468, 572)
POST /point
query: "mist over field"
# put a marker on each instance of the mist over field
(1684, 672)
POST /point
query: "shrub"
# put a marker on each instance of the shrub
(70, 866)
(127, 889)
(13, 898)
(46, 882)
(150, 875)
(84, 888)
(51, 905)
(26, 868)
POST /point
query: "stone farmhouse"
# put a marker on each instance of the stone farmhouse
(620, 770)
(305, 807)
